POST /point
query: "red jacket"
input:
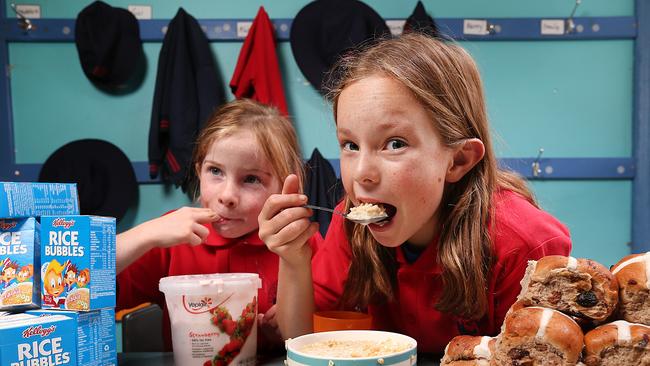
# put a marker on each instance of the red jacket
(257, 75)
(520, 232)
(138, 283)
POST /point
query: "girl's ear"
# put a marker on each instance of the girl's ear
(468, 154)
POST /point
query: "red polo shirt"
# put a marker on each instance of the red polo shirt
(520, 232)
(138, 283)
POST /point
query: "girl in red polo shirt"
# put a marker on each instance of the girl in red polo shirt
(242, 155)
(412, 125)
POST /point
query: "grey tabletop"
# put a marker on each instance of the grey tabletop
(167, 359)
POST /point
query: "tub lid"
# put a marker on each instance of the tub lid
(202, 281)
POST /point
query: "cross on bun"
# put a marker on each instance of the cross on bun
(633, 278)
(467, 350)
(578, 287)
(538, 336)
(618, 343)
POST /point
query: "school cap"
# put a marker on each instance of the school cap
(104, 175)
(324, 30)
(108, 42)
(420, 21)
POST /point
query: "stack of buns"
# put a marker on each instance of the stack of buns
(570, 312)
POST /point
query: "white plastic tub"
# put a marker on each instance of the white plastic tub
(297, 357)
(213, 317)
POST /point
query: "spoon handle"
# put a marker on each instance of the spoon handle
(325, 209)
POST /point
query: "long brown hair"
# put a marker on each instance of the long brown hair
(274, 133)
(445, 80)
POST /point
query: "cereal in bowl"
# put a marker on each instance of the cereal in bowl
(355, 348)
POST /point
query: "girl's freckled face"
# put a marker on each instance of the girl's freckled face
(236, 180)
(391, 153)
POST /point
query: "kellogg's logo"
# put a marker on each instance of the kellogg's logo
(61, 222)
(38, 330)
(6, 225)
(197, 306)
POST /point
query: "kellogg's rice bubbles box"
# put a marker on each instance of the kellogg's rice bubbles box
(19, 199)
(78, 262)
(36, 341)
(19, 252)
(95, 335)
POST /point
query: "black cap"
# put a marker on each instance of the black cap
(105, 179)
(109, 44)
(324, 29)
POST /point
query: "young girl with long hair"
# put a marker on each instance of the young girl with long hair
(414, 135)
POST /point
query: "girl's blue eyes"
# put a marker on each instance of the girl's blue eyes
(393, 144)
(247, 179)
(252, 179)
(349, 146)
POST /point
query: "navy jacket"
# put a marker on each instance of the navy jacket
(322, 187)
(188, 89)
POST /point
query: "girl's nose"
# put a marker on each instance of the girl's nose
(366, 170)
(229, 194)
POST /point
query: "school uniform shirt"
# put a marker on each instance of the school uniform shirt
(138, 283)
(519, 232)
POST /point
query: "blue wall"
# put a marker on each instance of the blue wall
(573, 98)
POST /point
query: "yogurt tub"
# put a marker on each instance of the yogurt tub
(401, 350)
(213, 318)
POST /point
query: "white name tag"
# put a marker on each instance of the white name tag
(475, 27)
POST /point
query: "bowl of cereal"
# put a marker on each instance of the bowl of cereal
(352, 348)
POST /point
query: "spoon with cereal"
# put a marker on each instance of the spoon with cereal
(364, 214)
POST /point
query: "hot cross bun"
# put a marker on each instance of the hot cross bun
(467, 350)
(538, 336)
(618, 343)
(632, 274)
(580, 287)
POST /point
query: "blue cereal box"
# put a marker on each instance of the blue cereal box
(95, 335)
(38, 341)
(20, 286)
(78, 262)
(18, 199)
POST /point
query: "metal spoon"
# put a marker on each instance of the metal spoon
(370, 220)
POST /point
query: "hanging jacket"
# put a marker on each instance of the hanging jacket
(322, 187)
(257, 75)
(188, 88)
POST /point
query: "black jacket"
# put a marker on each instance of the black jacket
(188, 89)
(322, 187)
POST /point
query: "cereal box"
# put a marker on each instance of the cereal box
(78, 262)
(18, 199)
(95, 335)
(9, 317)
(38, 341)
(20, 286)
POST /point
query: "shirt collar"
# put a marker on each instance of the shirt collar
(216, 240)
(427, 262)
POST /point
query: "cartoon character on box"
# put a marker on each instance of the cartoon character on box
(83, 278)
(70, 277)
(8, 273)
(25, 273)
(53, 283)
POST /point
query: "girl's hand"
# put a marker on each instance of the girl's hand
(184, 225)
(268, 325)
(284, 223)
(181, 226)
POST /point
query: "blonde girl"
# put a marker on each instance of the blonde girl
(242, 155)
